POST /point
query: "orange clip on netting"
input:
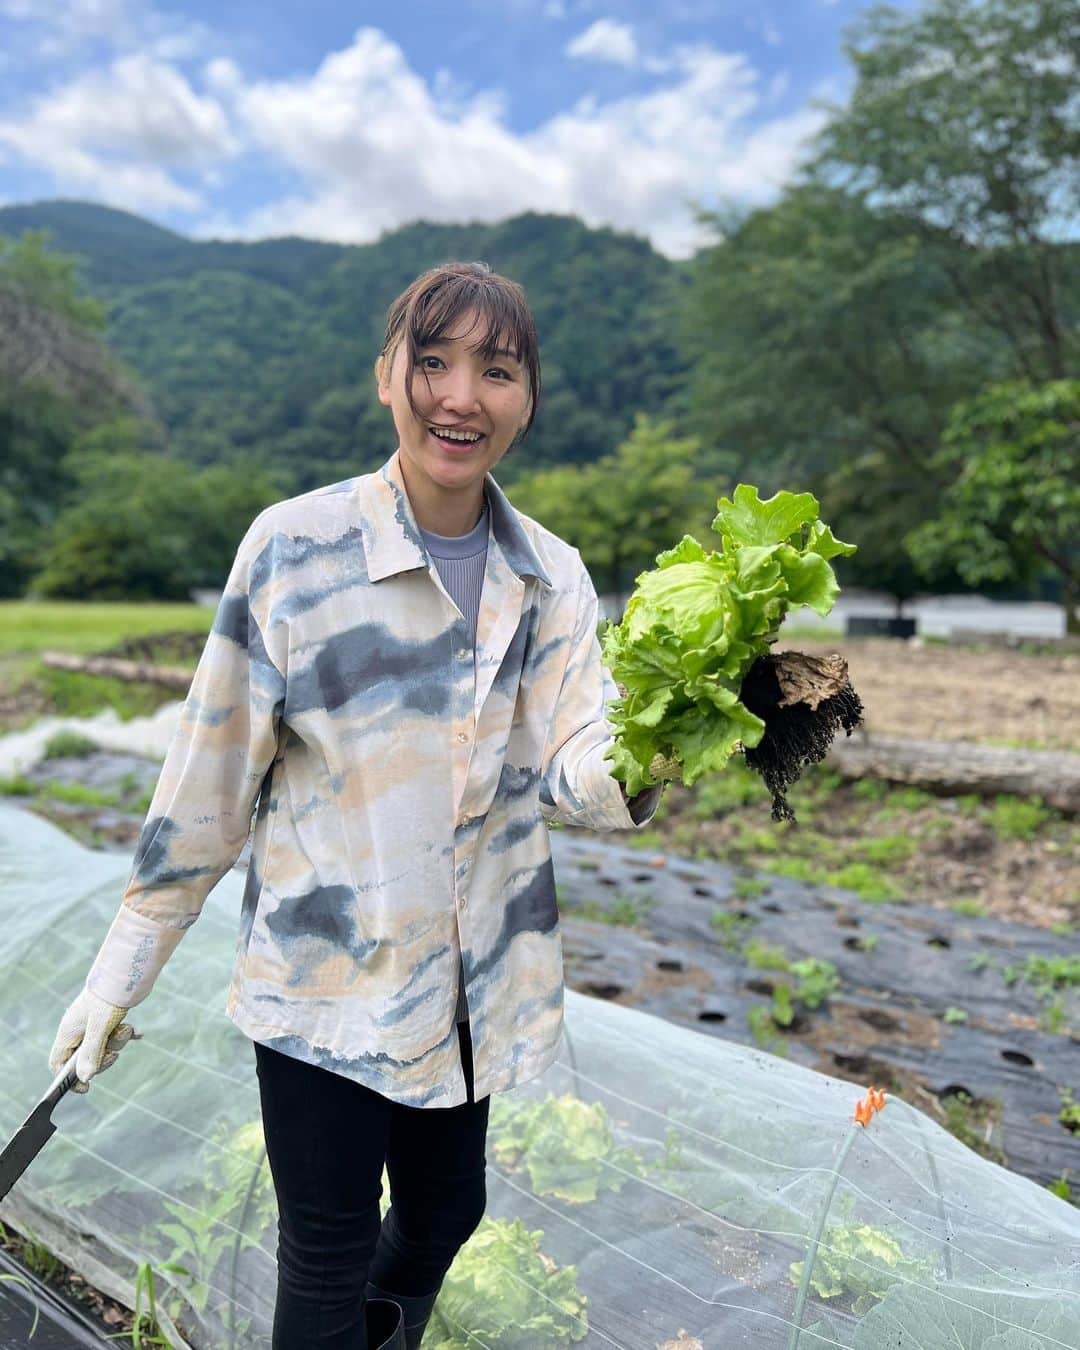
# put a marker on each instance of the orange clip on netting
(864, 1110)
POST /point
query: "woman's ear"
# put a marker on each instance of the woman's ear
(382, 379)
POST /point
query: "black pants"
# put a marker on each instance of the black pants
(327, 1139)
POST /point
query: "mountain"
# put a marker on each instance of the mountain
(264, 350)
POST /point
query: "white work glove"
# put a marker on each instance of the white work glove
(95, 1025)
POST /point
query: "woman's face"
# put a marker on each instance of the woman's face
(467, 394)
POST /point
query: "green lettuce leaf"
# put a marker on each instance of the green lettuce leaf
(696, 624)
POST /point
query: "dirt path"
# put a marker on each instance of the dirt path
(954, 693)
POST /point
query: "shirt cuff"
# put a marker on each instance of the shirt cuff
(131, 957)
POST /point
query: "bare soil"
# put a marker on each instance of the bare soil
(989, 694)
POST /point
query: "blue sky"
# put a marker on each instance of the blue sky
(336, 121)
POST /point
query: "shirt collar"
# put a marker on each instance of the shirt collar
(392, 540)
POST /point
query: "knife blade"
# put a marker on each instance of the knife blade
(36, 1130)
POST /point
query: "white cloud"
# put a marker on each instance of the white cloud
(223, 76)
(118, 133)
(371, 145)
(63, 30)
(369, 137)
(605, 40)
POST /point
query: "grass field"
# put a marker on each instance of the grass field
(71, 626)
(29, 689)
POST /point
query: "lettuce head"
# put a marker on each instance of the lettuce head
(696, 624)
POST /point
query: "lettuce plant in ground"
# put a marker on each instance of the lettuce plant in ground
(502, 1290)
(691, 655)
(565, 1144)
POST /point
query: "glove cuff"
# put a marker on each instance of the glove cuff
(131, 958)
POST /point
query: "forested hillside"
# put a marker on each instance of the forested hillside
(265, 349)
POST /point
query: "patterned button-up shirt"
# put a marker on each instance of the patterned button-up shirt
(403, 792)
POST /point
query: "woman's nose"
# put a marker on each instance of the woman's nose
(461, 390)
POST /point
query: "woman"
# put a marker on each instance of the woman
(404, 674)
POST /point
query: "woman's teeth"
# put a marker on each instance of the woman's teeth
(456, 438)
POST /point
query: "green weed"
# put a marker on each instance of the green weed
(866, 882)
(817, 980)
(78, 794)
(1053, 1017)
(732, 927)
(800, 869)
(734, 787)
(910, 798)
(69, 745)
(1019, 817)
(763, 1030)
(1048, 973)
(765, 955)
(650, 839)
(972, 1122)
(152, 1335)
(73, 694)
(888, 848)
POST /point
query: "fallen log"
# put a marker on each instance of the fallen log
(948, 768)
(169, 677)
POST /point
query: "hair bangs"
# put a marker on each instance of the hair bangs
(501, 319)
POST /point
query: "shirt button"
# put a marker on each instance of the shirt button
(463, 736)
(465, 820)
(461, 901)
(463, 653)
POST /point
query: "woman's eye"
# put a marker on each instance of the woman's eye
(495, 370)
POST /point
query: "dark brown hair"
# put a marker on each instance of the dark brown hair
(431, 304)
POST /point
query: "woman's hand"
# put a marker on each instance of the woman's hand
(94, 1025)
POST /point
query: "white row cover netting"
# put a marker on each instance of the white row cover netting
(657, 1187)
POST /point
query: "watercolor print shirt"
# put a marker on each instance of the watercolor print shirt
(403, 792)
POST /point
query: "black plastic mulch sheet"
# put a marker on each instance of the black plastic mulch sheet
(60, 1326)
(901, 966)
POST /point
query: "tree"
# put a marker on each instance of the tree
(145, 527)
(1013, 505)
(829, 352)
(628, 506)
(822, 330)
(964, 121)
(57, 379)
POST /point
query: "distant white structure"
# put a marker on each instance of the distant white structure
(935, 615)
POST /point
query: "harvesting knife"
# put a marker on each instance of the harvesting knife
(36, 1129)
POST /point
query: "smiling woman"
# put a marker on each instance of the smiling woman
(404, 685)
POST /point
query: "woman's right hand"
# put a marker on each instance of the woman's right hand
(94, 1025)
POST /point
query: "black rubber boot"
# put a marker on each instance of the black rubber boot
(416, 1310)
(385, 1323)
